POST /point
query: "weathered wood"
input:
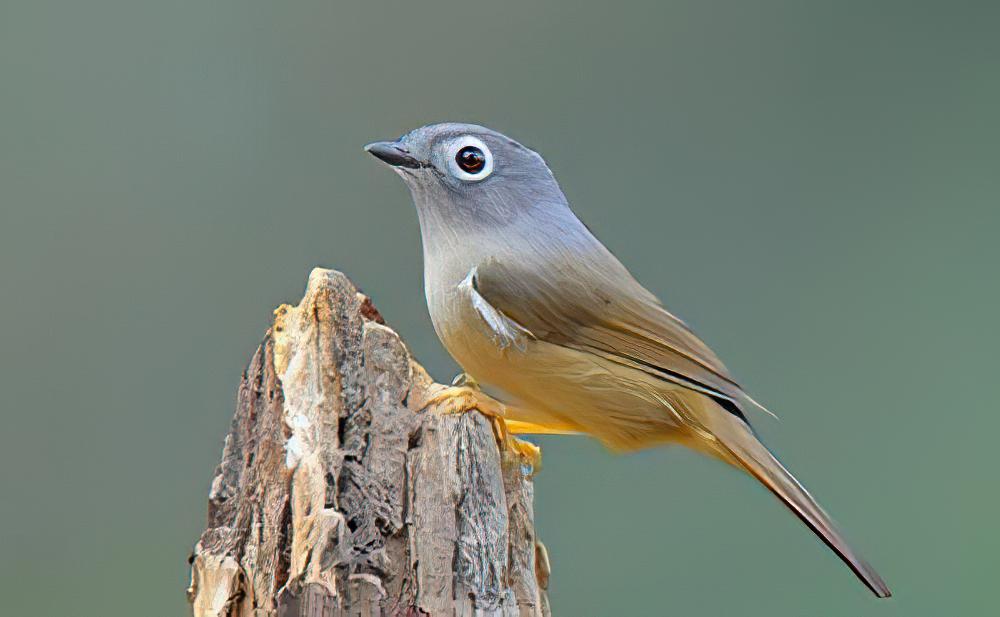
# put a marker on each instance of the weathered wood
(338, 496)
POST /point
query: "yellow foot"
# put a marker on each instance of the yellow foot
(526, 450)
(461, 399)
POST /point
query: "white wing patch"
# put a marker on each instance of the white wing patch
(506, 331)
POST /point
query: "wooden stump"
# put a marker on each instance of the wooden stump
(338, 496)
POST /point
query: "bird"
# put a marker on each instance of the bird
(532, 305)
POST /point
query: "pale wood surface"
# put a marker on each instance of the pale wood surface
(337, 496)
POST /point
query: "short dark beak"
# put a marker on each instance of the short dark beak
(394, 154)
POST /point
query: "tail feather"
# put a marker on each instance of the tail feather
(737, 440)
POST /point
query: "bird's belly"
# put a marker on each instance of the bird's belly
(561, 387)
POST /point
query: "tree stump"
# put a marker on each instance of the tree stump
(338, 496)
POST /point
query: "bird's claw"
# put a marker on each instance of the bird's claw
(465, 396)
(456, 400)
(510, 445)
(528, 452)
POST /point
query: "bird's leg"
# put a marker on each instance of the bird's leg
(464, 395)
(518, 427)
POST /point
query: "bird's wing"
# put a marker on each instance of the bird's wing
(506, 332)
(599, 308)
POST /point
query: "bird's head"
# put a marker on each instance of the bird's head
(470, 171)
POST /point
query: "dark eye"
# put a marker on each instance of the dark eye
(471, 160)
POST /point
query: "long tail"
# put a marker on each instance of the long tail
(741, 448)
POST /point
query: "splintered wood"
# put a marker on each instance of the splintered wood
(338, 496)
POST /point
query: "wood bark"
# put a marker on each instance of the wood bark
(337, 495)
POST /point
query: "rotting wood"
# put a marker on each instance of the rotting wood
(337, 496)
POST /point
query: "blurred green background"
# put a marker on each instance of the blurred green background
(813, 185)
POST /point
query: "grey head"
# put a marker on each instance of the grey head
(470, 177)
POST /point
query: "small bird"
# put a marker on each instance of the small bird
(529, 302)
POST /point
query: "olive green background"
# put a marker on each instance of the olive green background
(812, 185)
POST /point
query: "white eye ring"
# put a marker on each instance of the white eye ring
(462, 143)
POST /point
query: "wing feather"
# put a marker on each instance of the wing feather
(606, 312)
